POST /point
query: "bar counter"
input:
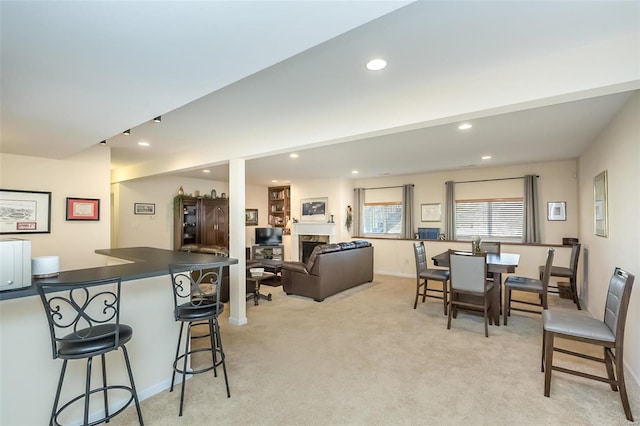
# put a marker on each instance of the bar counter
(29, 374)
(146, 262)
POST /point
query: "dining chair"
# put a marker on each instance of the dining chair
(609, 334)
(468, 281)
(424, 274)
(529, 285)
(570, 272)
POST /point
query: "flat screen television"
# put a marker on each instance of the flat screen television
(268, 236)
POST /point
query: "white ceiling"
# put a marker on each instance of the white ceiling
(258, 80)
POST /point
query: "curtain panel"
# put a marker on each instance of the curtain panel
(450, 211)
(531, 228)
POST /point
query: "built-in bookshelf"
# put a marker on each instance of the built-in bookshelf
(280, 207)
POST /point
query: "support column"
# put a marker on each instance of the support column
(237, 273)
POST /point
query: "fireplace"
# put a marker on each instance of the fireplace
(307, 243)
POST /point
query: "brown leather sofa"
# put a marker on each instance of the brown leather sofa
(331, 268)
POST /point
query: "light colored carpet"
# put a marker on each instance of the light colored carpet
(365, 357)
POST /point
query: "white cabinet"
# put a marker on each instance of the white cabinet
(15, 263)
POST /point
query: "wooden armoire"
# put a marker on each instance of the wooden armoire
(202, 221)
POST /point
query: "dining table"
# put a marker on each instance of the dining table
(498, 263)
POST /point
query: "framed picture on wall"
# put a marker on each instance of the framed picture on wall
(313, 209)
(144, 208)
(251, 217)
(83, 208)
(25, 212)
(430, 212)
(556, 210)
(600, 204)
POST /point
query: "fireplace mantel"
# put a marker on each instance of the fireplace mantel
(311, 228)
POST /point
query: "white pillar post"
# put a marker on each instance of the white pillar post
(237, 273)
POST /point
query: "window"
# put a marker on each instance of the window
(382, 218)
(499, 219)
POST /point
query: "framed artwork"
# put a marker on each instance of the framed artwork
(430, 212)
(83, 208)
(557, 210)
(144, 208)
(313, 209)
(600, 205)
(251, 217)
(25, 212)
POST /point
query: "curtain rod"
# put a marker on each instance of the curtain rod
(489, 180)
(384, 187)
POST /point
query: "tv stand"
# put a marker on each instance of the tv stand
(267, 252)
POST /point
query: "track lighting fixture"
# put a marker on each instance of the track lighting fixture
(157, 119)
(127, 132)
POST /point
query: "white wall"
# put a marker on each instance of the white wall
(557, 182)
(85, 175)
(133, 230)
(339, 193)
(617, 150)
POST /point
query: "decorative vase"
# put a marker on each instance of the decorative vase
(180, 191)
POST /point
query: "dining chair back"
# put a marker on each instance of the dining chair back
(425, 274)
(568, 272)
(608, 333)
(468, 275)
(530, 285)
(490, 246)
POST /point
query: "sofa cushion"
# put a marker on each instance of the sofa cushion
(347, 245)
(362, 243)
(320, 249)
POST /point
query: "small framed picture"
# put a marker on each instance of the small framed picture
(251, 217)
(557, 210)
(430, 212)
(83, 208)
(144, 208)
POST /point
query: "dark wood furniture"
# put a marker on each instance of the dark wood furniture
(498, 264)
(530, 285)
(608, 334)
(200, 221)
(468, 276)
(570, 272)
(424, 275)
(279, 207)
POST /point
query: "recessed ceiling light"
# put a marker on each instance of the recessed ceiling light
(376, 64)
(486, 157)
(354, 172)
(144, 143)
(293, 155)
(465, 126)
(206, 171)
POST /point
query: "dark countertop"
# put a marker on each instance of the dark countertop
(148, 262)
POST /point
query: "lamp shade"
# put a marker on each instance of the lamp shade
(45, 266)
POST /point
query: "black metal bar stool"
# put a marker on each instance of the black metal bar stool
(196, 297)
(84, 322)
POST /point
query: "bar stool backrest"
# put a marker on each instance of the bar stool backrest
(78, 313)
(196, 286)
